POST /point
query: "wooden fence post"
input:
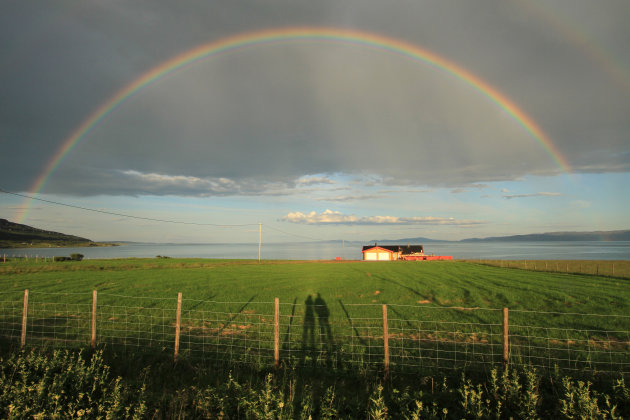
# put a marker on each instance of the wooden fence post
(506, 338)
(93, 319)
(276, 333)
(178, 320)
(385, 342)
(24, 317)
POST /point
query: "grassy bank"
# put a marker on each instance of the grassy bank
(610, 268)
(440, 314)
(434, 284)
(444, 335)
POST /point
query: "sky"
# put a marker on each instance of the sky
(198, 121)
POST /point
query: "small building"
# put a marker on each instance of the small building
(379, 253)
(390, 252)
(399, 252)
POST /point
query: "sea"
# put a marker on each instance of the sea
(548, 250)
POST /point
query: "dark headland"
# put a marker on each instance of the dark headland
(15, 235)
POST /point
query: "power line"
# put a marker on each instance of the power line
(154, 219)
(293, 234)
(126, 215)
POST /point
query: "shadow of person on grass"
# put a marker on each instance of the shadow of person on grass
(286, 342)
(308, 330)
(323, 313)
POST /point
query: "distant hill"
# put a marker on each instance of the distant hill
(15, 235)
(611, 235)
(405, 241)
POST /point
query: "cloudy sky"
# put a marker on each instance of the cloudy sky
(316, 137)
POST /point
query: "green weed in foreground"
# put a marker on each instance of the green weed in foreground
(73, 384)
(64, 385)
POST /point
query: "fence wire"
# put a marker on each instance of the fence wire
(318, 333)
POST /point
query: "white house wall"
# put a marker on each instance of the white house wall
(378, 256)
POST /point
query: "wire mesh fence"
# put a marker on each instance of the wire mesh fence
(338, 335)
(613, 268)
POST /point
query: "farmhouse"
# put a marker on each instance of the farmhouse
(399, 252)
(390, 252)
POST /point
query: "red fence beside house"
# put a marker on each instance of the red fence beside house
(427, 257)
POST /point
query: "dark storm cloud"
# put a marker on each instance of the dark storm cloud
(259, 120)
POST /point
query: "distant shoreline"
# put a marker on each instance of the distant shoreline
(326, 251)
(592, 236)
(15, 245)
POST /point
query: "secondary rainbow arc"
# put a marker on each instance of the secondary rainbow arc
(251, 39)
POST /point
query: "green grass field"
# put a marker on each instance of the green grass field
(610, 268)
(439, 283)
(440, 314)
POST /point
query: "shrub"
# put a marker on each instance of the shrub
(266, 403)
(580, 401)
(328, 409)
(64, 385)
(76, 257)
(515, 392)
(621, 396)
(376, 406)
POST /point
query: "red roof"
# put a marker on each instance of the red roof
(403, 249)
(365, 249)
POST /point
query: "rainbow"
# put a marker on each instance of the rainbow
(595, 52)
(256, 38)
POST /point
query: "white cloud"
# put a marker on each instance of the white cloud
(336, 217)
(539, 194)
(202, 186)
(312, 180)
(328, 216)
(356, 197)
(192, 186)
(581, 204)
(469, 187)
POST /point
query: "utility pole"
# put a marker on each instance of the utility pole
(259, 239)
(343, 249)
